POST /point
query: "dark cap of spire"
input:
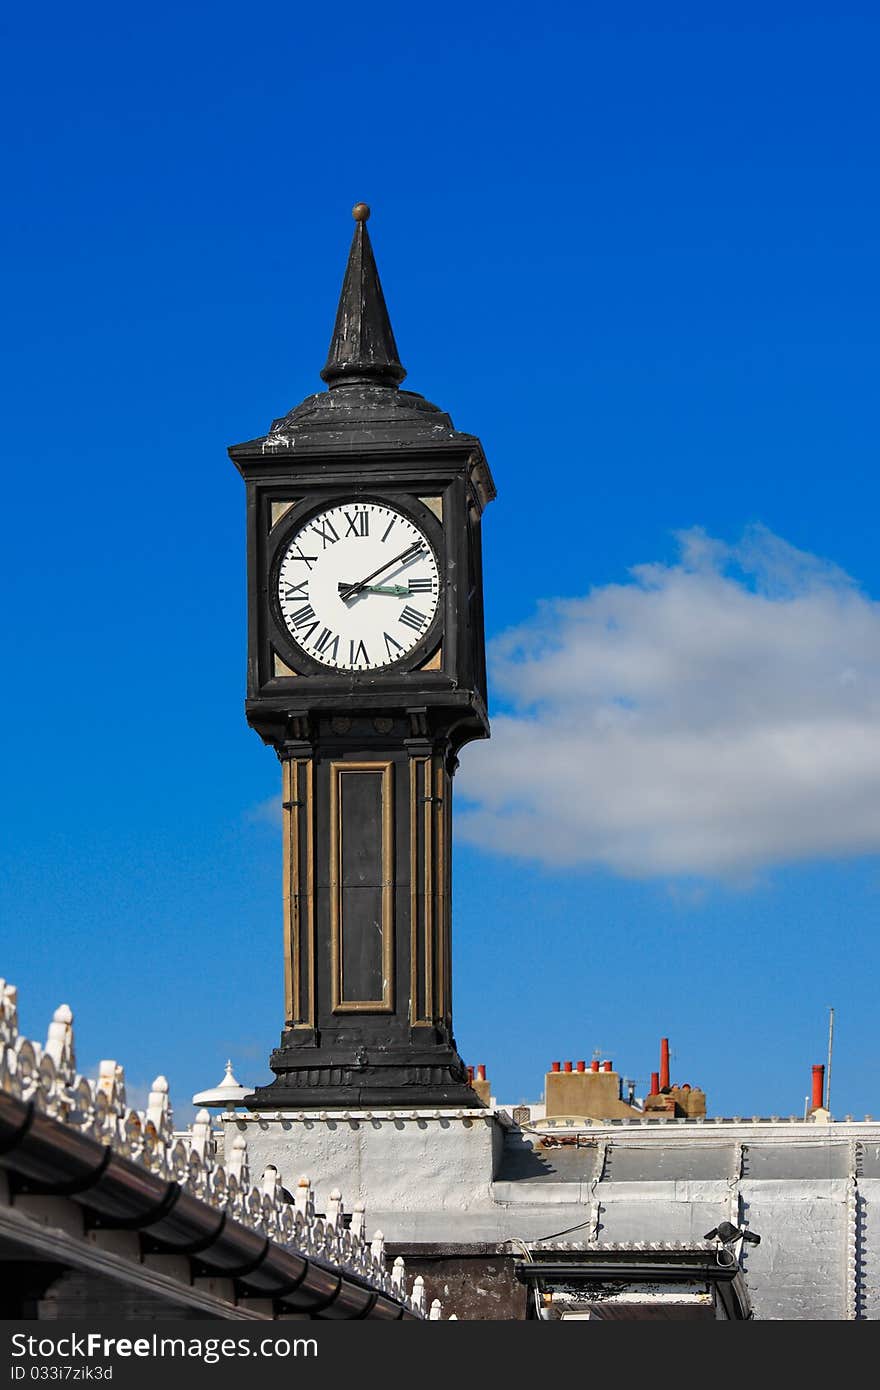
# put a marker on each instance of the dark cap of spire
(362, 347)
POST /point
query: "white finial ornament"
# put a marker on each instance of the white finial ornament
(230, 1094)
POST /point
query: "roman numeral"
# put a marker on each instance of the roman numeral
(359, 524)
(389, 643)
(390, 524)
(303, 616)
(327, 531)
(292, 589)
(327, 643)
(413, 618)
(354, 653)
(309, 559)
(420, 586)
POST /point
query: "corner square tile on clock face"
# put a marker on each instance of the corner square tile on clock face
(280, 509)
(434, 661)
(281, 668)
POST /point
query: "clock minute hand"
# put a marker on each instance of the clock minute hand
(352, 589)
(396, 590)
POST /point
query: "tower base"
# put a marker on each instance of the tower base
(413, 1161)
(411, 1078)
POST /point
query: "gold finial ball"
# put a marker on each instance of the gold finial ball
(360, 212)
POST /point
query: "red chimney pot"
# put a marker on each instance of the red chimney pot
(664, 1064)
(566, 1066)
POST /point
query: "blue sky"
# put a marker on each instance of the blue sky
(636, 252)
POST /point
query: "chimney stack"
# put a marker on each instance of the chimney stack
(594, 1092)
(481, 1085)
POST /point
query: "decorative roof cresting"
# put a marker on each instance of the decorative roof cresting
(47, 1078)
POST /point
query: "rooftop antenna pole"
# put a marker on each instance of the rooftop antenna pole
(830, 1045)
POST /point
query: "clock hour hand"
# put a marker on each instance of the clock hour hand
(397, 590)
(348, 591)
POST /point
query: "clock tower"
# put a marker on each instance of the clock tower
(366, 674)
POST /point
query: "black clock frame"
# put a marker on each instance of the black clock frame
(452, 470)
(407, 505)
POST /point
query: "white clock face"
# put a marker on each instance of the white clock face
(358, 586)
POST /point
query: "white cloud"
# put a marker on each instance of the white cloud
(707, 718)
(266, 812)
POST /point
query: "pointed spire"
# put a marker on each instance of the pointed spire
(362, 348)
